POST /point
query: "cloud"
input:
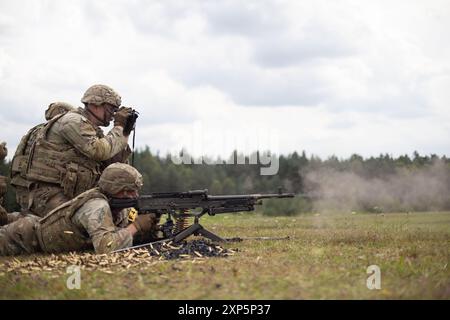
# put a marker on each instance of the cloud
(328, 76)
(252, 86)
(249, 19)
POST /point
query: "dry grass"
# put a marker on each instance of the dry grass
(326, 258)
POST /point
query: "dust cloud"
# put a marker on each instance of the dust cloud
(406, 189)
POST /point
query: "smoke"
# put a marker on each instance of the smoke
(405, 189)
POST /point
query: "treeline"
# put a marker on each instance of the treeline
(161, 174)
(299, 173)
(375, 184)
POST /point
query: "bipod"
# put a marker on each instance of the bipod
(197, 229)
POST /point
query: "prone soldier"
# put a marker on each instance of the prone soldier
(86, 222)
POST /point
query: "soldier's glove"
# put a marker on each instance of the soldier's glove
(131, 121)
(2, 186)
(145, 223)
(121, 116)
(3, 151)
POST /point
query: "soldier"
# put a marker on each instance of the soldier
(20, 159)
(65, 156)
(3, 154)
(24, 147)
(86, 222)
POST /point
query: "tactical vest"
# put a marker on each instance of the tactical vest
(57, 233)
(19, 162)
(59, 164)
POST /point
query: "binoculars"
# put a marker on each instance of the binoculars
(131, 122)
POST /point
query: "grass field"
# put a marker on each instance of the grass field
(326, 258)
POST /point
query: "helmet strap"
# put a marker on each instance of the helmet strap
(103, 121)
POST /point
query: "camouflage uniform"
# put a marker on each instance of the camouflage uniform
(85, 222)
(3, 154)
(65, 156)
(20, 160)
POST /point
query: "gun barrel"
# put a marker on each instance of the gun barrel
(193, 199)
(252, 196)
(188, 194)
(277, 195)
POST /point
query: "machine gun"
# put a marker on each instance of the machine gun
(192, 204)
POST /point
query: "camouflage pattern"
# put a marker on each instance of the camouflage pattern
(40, 198)
(57, 108)
(99, 94)
(122, 157)
(85, 222)
(20, 163)
(21, 156)
(3, 213)
(3, 184)
(77, 130)
(19, 237)
(65, 161)
(14, 216)
(3, 151)
(120, 177)
(3, 216)
(96, 218)
(3, 187)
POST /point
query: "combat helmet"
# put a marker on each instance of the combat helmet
(119, 177)
(99, 94)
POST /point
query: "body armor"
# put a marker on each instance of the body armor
(57, 233)
(38, 160)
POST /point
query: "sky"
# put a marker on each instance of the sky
(327, 77)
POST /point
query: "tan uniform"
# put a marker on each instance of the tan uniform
(65, 160)
(83, 223)
(3, 187)
(3, 154)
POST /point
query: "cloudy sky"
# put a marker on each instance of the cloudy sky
(328, 77)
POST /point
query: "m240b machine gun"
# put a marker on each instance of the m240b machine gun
(192, 204)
